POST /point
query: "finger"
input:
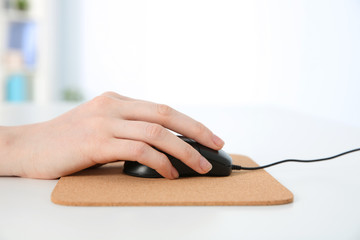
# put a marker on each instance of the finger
(156, 135)
(171, 119)
(130, 150)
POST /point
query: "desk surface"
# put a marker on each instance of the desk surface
(326, 203)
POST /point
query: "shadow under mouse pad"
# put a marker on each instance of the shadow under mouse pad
(109, 186)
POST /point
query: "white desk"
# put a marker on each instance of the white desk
(327, 194)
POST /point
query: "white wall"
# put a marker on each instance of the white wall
(303, 55)
(68, 46)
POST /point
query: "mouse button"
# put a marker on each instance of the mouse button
(181, 167)
(212, 155)
(190, 141)
(186, 139)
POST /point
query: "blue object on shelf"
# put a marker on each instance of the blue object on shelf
(17, 88)
(22, 37)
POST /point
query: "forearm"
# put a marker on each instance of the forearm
(9, 152)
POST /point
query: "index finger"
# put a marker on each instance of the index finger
(170, 118)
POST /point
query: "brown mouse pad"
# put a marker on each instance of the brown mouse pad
(109, 186)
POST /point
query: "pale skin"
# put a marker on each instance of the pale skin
(108, 128)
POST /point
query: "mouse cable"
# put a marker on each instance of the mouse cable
(238, 167)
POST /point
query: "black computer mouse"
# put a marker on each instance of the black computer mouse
(220, 160)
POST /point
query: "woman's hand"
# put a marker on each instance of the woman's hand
(108, 128)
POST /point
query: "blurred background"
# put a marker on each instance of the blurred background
(298, 55)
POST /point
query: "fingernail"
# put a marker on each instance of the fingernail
(174, 173)
(218, 141)
(205, 165)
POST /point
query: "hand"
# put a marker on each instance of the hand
(108, 128)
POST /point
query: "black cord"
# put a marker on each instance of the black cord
(237, 167)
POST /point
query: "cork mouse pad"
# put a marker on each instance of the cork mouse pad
(109, 186)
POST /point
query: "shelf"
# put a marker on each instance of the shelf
(42, 12)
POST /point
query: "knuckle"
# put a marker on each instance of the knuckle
(164, 110)
(108, 93)
(154, 131)
(138, 149)
(101, 101)
(189, 152)
(163, 163)
(199, 128)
